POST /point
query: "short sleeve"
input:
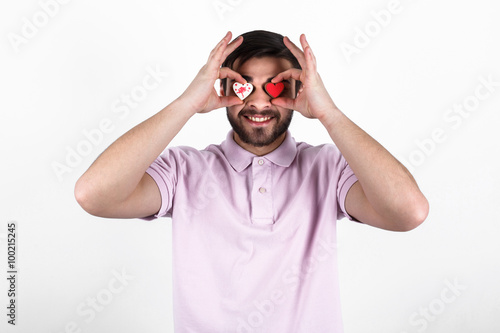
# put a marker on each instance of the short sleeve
(347, 179)
(164, 171)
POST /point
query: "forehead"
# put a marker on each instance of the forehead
(262, 67)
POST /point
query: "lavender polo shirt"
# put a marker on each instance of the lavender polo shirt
(254, 237)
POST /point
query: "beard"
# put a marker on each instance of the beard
(260, 136)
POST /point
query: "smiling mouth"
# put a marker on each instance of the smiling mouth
(259, 119)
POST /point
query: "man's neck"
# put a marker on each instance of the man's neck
(259, 151)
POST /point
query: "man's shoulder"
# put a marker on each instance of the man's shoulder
(324, 159)
(305, 149)
(191, 153)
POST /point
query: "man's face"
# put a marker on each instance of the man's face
(269, 121)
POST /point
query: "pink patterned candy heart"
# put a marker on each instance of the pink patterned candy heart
(242, 90)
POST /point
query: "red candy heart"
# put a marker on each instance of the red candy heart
(274, 89)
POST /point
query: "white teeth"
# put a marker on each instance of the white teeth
(260, 119)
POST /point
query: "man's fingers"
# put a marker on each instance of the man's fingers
(228, 73)
(231, 47)
(216, 48)
(293, 73)
(216, 55)
(311, 61)
(309, 55)
(306, 57)
(303, 41)
(295, 51)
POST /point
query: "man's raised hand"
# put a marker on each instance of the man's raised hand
(312, 100)
(200, 96)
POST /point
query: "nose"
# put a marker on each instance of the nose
(259, 99)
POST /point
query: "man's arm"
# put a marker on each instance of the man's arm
(116, 184)
(386, 195)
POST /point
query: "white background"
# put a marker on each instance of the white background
(400, 86)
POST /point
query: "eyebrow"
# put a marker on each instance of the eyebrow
(250, 79)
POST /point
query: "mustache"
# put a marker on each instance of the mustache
(265, 113)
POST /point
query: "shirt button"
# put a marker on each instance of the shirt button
(262, 190)
(261, 162)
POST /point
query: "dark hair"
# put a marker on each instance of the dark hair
(259, 44)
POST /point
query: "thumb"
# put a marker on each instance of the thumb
(284, 102)
(226, 101)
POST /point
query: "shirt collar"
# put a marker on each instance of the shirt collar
(240, 158)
